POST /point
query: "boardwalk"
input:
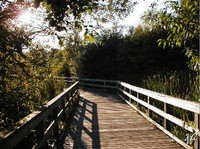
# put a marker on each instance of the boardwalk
(103, 120)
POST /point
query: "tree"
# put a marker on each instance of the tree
(84, 14)
(182, 25)
(25, 83)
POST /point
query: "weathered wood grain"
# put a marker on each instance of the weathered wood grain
(103, 120)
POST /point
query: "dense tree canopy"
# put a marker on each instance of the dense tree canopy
(130, 58)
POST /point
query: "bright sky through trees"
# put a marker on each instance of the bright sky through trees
(143, 5)
(30, 18)
(25, 17)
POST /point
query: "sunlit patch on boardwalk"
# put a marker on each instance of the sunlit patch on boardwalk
(103, 120)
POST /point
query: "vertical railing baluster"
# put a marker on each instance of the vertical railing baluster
(149, 102)
(138, 97)
(165, 120)
(124, 89)
(55, 115)
(197, 124)
(63, 106)
(118, 87)
(130, 94)
(40, 131)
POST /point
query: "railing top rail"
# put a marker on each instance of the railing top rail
(181, 103)
(95, 80)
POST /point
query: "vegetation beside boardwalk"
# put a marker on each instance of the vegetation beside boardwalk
(161, 55)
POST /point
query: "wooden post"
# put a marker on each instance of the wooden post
(165, 120)
(40, 134)
(73, 99)
(63, 106)
(40, 131)
(138, 97)
(124, 89)
(55, 114)
(197, 124)
(149, 102)
(130, 97)
(69, 95)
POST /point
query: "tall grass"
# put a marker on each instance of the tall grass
(180, 84)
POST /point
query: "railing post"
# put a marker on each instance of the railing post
(55, 114)
(130, 94)
(149, 102)
(197, 124)
(124, 89)
(165, 120)
(63, 106)
(117, 87)
(40, 131)
(138, 96)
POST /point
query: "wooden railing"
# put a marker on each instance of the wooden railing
(138, 97)
(44, 123)
(94, 83)
(144, 97)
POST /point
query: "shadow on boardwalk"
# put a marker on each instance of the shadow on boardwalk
(104, 120)
(73, 136)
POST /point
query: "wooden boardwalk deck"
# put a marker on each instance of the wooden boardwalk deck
(103, 120)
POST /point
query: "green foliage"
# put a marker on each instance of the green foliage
(25, 89)
(138, 60)
(22, 75)
(182, 25)
(99, 60)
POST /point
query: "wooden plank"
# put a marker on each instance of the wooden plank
(187, 105)
(100, 123)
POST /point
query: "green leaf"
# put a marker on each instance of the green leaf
(159, 44)
(164, 44)
(89, 11)
(61, 43)
(91, 38)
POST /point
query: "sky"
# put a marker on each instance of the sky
(134, 18)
